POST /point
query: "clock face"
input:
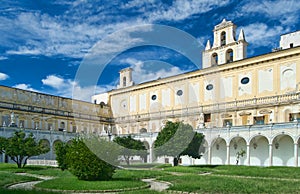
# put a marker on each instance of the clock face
(123, 104)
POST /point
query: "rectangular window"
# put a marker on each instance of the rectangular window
(227, 122)
(295, 117)
(291, 45)
(207, 118)
(74, 129)
(259, 120)
(21, 124)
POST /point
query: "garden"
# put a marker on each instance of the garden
(193, 179)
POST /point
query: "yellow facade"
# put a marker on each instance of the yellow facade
(257, 90)
(32, 110)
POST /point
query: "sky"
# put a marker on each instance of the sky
(77, 48)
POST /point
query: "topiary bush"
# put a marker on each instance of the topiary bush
(85, 165)
(61, 150)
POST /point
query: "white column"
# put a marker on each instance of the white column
(209, 155)
(296, 154)
(3, 157)
(228, 155)
(150, 154)
(248, 154)
(270, 154)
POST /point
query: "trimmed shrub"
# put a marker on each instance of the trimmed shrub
(85, 165)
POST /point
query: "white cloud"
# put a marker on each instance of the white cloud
(260, 34)
(85, 93)
(70, 89)
(181, 10)
(23, 50)
(3, 76)
(25, 87)
(142, 73)
(286, 11)
(74, 32)
(50, 36)
(3, 58)
(56, 82)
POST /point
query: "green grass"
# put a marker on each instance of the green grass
(122, 179)
(223, 179)
(234, 179)
(8, 177)
(219, 184)
(137, 174)
(72, 183)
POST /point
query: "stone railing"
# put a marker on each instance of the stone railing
(73, 113)
(42, 162)
(48, 134)
(273, 126)
(213, 108)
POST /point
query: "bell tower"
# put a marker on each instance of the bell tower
(225, 48)
(125, 78)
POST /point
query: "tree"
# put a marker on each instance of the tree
(178, 139)
(3, 143)
(61, 152)
(85, 165)
(20, 148)
(131, 147)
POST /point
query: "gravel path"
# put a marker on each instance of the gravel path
(157, 185)
(154, 185)
(29, 185)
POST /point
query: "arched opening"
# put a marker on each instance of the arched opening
(204, 152)
(124, 81)
(298, 143)
(102, 104)
(223, 38)
(283, 151)
(214, 59)
(236, 145)
(259, 151)
(70, 142)
(53, 148)
(45, 143)
(218, 151)
(229, 56)
(143, 130)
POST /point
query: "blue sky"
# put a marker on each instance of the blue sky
(43, 43)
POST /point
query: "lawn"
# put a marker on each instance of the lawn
(8, 177)
(234, 179)
(198, 179)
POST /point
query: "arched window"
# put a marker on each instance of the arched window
(124, 81)
(223, 38)
(229, 56)
(214, 59)
(143, 130)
